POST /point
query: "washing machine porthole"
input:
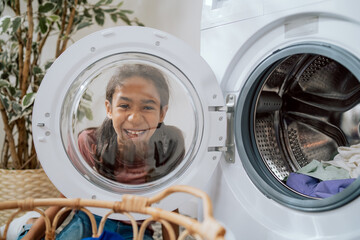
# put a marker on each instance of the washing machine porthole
(297, 108)
(95, 122)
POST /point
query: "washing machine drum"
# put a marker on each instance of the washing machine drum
(125, 110)
(307, 108)
(301, 104)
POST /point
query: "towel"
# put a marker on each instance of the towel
(324, 171)
(313, 187)
(16, 226)
(348, 158)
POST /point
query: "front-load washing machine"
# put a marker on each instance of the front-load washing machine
(293, 68)
(288, 95)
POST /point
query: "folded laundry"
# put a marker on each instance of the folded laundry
(324, 171)
(314, 187)
(348, 158)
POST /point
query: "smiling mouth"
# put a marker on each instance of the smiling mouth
(134, 133)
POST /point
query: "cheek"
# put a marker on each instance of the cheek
(154, 119)
(117, 129)
(117, 121)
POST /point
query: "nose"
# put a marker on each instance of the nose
(135, 117)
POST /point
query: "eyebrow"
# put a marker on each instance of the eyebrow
(148, 101)
(144, 101)
(126, 99)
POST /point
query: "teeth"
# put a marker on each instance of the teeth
(134, 132)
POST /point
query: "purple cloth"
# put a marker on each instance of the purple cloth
(316, 188)
(106, 235)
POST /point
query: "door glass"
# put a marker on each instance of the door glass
(131, 121)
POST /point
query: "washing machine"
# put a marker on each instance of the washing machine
(307, 53)
(270, 92)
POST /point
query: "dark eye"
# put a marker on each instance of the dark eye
(124, 106)
(148, 108)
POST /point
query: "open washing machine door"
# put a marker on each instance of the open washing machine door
(174, 128)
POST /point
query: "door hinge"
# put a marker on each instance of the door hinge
(229, 148)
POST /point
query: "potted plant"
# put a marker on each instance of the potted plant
(31, 27)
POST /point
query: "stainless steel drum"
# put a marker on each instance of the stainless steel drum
(306, 108)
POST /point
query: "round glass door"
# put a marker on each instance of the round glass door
(122, 125)
(128, 110)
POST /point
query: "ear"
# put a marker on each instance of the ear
(108, 109)
(163, 112)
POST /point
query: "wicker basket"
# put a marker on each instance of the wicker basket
(208, 228)
(21, 184)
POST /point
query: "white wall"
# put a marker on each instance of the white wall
(178, 17)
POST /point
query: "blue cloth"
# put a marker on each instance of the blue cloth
(107, 236)
(314, 187)
(25, 230)
(80, 227)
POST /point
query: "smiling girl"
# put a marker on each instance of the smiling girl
(133, 145)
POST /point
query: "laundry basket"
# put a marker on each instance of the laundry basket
(21, 184)
(208, 228)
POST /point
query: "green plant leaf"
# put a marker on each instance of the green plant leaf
(26, 112)
(97, 10)
(86, 96)
(120, 4)
(99, 3)
(80, 115)
(12, 91)
(47, 7)
(114, 17)
(86, 13)
(42, 25)
(4, 83)
(110, 10)
(124, 18)
(16, 24)
(5, 102)
(16, 107)
(83, 25)
(28, 100)
(100, 18)
(16, 92)
(53, 18)
(127, 11)
(2, 6)
(48, 64)
(4, 75)
(88, 113)
(37, 70)
(13, 116)
(5, 23)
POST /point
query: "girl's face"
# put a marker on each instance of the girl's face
(135, 110)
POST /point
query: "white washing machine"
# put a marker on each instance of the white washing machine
(306, 52)
(289, 80)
